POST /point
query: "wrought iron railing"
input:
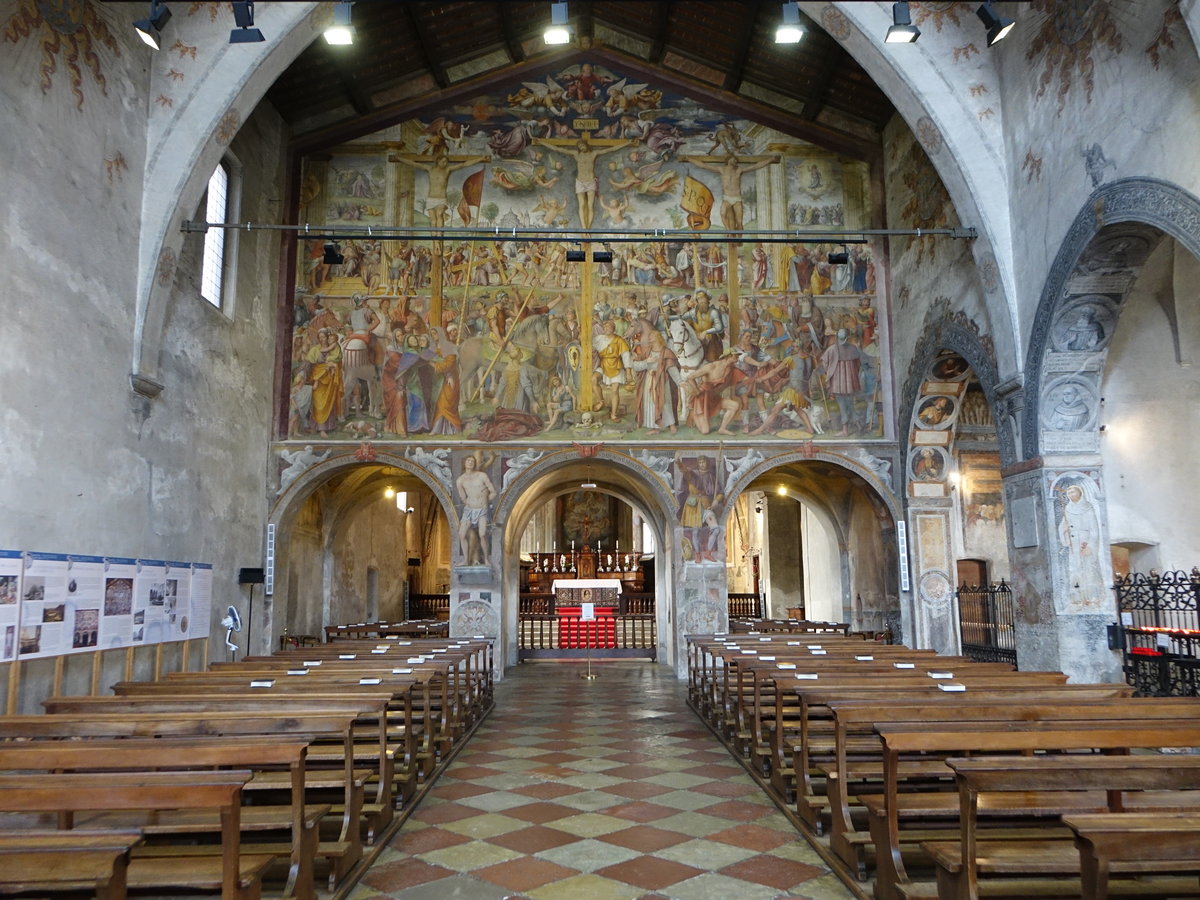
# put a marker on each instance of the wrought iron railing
(1160, 632)
(986, 622)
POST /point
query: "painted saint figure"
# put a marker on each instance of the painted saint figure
(476, 491)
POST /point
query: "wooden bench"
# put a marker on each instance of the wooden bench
(235, 874)
(257, 754)
(901, 821)
(1114, 841)
(857, 765)
(1046, 789)
(54, 861)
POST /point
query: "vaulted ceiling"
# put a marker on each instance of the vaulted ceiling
(413, 53)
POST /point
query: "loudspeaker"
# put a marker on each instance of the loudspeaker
(251, 576)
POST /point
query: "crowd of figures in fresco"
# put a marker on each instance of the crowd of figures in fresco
(506, 337)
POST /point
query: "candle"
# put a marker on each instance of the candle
(618, 547)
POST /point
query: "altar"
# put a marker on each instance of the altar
(599, 595)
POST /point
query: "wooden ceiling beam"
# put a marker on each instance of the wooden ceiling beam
(662, 19)
(508, 34)
(425, 40)
(742, 41)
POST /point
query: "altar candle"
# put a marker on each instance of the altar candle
(618, 545)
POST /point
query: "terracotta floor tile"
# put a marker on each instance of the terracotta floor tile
(771, 870)
(727, 788)
(649, 873)
(413, 843)
(540, 813)
(738, 810)
(754, 837)
(646, 838)
(533, 840)
(405, 873)
(525, 874)
(546, 790)
(444, 813)
(639, 811)
(637, 790)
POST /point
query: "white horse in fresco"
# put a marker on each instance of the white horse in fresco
(689, 351)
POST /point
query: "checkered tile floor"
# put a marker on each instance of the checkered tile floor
(596, 790)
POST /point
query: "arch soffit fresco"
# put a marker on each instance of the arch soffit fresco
(1151, 208)
(655, 494)
(291, 500)
(966, 151)
(186, 147)
(955, 337)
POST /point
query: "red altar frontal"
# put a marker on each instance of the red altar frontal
(575, 597)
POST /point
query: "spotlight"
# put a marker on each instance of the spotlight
(602, 256)
(558, 32)
(341, 32)
(790, 31)
(997, 26)
(150, 28)
(840, 258)
(333, 254)
(576, 256)
(903, 31)
(243, 15)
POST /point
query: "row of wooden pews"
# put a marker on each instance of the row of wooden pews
(362, 631)
(938, 777)
(282, 768)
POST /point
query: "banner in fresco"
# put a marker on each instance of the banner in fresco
(507, 338)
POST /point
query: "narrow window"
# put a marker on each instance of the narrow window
(212, 279)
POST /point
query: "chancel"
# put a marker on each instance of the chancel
(493, 358)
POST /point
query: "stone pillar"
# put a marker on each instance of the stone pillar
(935, 614)
(1061, 569)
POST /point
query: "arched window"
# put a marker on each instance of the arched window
(212, 274)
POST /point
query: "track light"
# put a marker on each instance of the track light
(903, 31)
(576, 256)
(341, 32)
(997, 26)
(150, 28)
(840, 257)
(790, 31)
(333, 254)
(243, 15)
(602, 256)
(558, 32)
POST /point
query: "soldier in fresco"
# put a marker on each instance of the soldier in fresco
(613, 367)
(842, 362)
(709, 324)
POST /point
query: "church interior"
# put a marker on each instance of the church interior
(397, 312)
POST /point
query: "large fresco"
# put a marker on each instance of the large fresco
(509, 337)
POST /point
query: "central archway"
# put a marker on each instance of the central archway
(615, 474)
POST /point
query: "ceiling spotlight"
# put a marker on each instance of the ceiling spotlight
(903, 31)
(790, 31)
(150, 28)
(558, 32)
(333, 254)
(997, 26)
(243, 15)
(341, 32)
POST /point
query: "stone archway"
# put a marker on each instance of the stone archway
(951, 391)
(853, 494)
(1058, 495)
(619, 475)
(291, 516)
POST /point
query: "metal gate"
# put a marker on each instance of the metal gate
(985, 622)
(1159, 632)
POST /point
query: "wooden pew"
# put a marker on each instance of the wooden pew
(921, 811)
(254, 754)
(1115, 841)
(236, 875)
(55, 861)
(1046, 787)
(855, 738)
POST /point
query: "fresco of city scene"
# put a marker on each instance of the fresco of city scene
(505, 337)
